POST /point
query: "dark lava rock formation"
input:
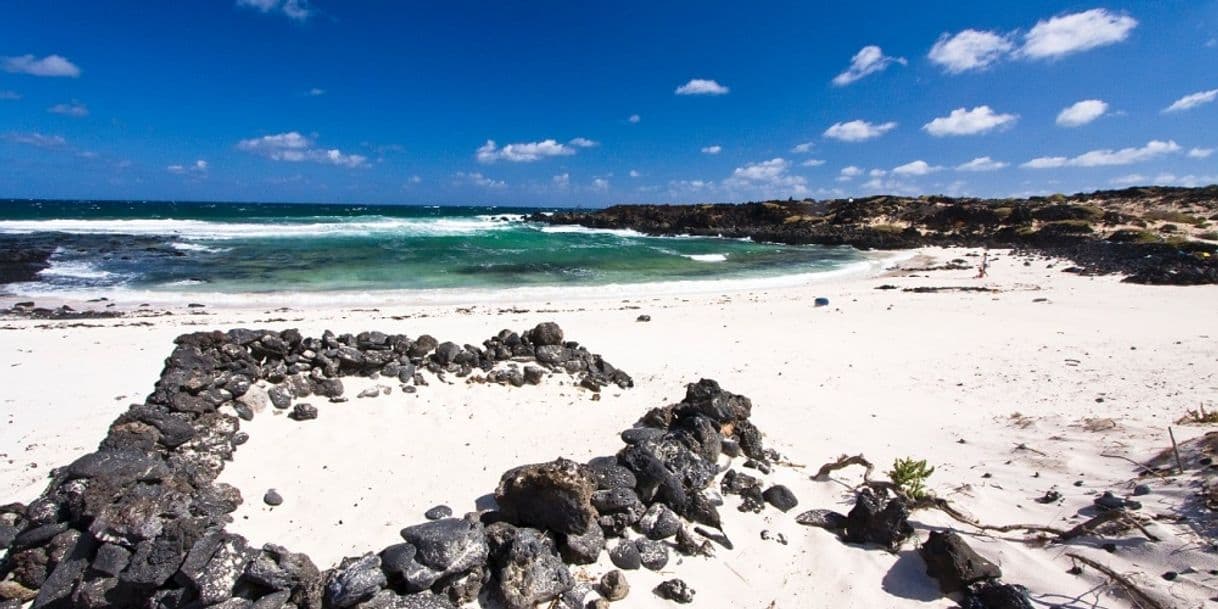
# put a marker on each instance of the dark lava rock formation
(141, 522)
(1155, 235)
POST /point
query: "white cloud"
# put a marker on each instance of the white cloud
(477, 179)
(525, 152)
(316, 92)
(803, 148)
(699, 86)
(75, 109)
(634, 173)
(416, 179)
(812, 163)
(767, 178)
(712, 149)
(51, 65)
(1200, 153)
(849, 173)
(583, 142)
(1066, 34)
(916, 168)
(198, 167)
(1081, 113)
(600, 184)
(562, 181)
(969, 50)
(877, 173)
(981, 119)
(634, 119)
(294, 147)
(9, 96)
(869, 60)
(1165, 179)
(858, 130)
(292, 9)
(37, 139)
(1192, 101)
(1107, 157)
(1130, 180)
(981, 163)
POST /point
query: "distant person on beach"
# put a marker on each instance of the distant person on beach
(985, 265)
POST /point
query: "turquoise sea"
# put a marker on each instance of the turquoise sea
(103, 247)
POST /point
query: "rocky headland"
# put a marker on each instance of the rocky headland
(1153, 235)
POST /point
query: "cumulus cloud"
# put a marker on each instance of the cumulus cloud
(9, 96)
(981, 163)
(198, 167)
(1165, 179)
(477, 179)
(600, 184)
(769, 178)
(858, 130)
(848, 173)
(970, 50)
(700, 86)
(812, 163)
(712, 149)
(1107, 157)
(1081, 113)
(294, 147)
(916, 168)
(1192, 101)
(803, 148)
(75, 109)
(297, 10)
(1200, 153)
(562, 181)
(525, 152)
(51, 65)
(583, 142)
(869, 60)
(1067, 34)
(981, 119)
(634, 119)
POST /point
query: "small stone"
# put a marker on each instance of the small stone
(1049, 497)
(303, 412)
(675, 590)
(438, 512)
(272, 498)
(613, 586)
(625, 555)
(659, 522)
(1141, 489)
(652, 554)
(643, 318)
(780, 497)
(1170, 575)
(370, 392)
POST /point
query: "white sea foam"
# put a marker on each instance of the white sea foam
(205, 230)
(74, 270)
(707, 257)
(573, 228)
(195, 247)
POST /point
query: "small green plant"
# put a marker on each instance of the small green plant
(910, 476)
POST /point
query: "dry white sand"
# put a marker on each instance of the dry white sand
(1071, 367)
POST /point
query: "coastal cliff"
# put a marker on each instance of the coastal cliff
(1153, 235)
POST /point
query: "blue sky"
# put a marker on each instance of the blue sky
(558, 102)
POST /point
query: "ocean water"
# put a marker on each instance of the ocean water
(112, 247)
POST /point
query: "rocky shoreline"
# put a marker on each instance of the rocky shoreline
(1157, 235)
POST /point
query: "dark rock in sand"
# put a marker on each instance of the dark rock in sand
(643, 318)
(449, 545)
(659, 522)
(403, 569)
(824, 519)
(422, 346)
(675, 590)
(533, 375)
(526, 569)
(610, 475)
(992, 594)
(652, 554)
(555, 496)
(356, 580)
(625, 555)
(272, 498)
(583, 549)
(438, 512)
(303, 412)
(613, 586)
(780, 497)
(951, 561)
(878, 519)
(280, 397)
(111, 559)
(546, 333)
(635, 435)
(446, 353)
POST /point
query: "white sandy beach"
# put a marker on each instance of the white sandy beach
(959, 379)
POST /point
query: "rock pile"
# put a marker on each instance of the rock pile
(141, 521)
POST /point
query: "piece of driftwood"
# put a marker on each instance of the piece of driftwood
(1140, 596)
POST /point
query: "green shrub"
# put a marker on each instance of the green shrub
(910, 476)
(1175, 217)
